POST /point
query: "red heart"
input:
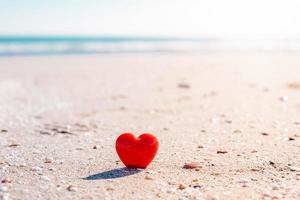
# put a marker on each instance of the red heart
(136, 152)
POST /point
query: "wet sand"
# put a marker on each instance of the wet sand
(235, 117)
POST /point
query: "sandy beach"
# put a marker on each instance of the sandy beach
(234, 118)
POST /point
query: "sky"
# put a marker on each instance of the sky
(176, 18)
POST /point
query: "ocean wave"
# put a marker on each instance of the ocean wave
(35, 46)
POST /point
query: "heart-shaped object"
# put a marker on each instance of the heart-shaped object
(136, 152)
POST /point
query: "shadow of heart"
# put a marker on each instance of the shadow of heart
(114, 173)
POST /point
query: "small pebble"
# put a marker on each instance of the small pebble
(4, 131)
(48, 160)
(197, 186)
(45, 133)
(72, 188)
(291, 138)
(272, 163)
(6, 180)
(284, 98)
(184, 85)
(275, 187)
(122, 108)
(181, 186)
(221, 152)
(191, 165)
(265, 134)
(60, 161)
(23, 165)
(110, 189)
(13, 145)
(148, 177)
(238, 131)
(294, 85)
(294, 168)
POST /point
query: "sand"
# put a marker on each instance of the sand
(236, 116)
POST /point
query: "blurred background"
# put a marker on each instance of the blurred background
(111, 26)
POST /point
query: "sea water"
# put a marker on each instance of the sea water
(47, 45)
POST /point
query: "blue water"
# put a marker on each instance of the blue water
(79, 39)
(48, 45)
(35, 45)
